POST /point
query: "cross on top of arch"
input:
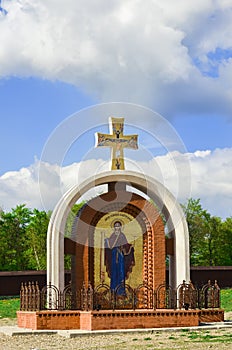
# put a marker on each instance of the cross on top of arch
(117, 141)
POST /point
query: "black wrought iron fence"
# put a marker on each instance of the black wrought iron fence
(186, 296)
(165, 297)
(209, 296)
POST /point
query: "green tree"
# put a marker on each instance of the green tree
(36, 237)
(195, 216)
(13, 227)
(23, 238)
(72, 217)
(226, 247)
(210, 238)
(212, 242)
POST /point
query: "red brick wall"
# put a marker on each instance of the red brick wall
(119, 319)
(49, 319)
(86, 320)
(103, 320)
(143, 319)
(211, 315)
(26, 319)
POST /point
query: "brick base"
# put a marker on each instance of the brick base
(119, 319)
(211, 315)
(49, 319)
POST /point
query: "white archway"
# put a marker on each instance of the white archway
(166, 202)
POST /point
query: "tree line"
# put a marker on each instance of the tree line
(23, 237)
(210, 237)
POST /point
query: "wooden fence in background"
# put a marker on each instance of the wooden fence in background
(10, 282)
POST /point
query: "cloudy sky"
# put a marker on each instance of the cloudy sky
(57, 58)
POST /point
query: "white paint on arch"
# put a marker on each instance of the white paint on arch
(167, 204)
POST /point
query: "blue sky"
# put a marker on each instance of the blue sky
(174, 57)
(32, 108)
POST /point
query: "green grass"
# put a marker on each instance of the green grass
(226, 299)
(209, 338)
(8, 307)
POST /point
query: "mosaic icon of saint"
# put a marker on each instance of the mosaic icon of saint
(119, 258)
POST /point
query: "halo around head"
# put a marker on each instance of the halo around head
(117, 220)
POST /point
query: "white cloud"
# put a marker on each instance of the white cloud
(210, 180)
(154, 53)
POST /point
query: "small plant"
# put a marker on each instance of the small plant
(193, 335)
(185, 330)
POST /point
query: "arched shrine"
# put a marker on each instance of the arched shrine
(120, 244)
(119, 200)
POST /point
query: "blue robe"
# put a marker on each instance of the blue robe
(119, 260)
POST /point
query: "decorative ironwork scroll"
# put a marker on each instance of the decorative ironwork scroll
(50, 298)
(165, 297)
(187, 296)
(124, 297)
(103, 297)
(210, 296)
(143, 297)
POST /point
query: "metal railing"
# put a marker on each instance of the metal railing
(124, 297)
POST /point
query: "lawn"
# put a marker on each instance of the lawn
(9, 306)
(226, 299)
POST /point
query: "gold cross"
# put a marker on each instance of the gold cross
(117, 141)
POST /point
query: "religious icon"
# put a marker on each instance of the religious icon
(119, 258)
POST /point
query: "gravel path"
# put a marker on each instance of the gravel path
(220, 339)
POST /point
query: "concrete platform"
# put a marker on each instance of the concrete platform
(16, 331)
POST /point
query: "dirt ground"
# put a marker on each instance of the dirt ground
(189, 340)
